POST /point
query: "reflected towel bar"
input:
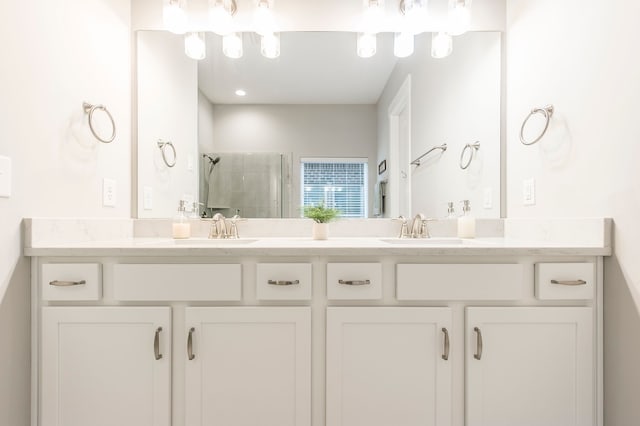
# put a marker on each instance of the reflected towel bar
(442, 147)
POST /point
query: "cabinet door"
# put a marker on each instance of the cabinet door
(105, 366)
(248, 366)
(530, 366)
(387, 366)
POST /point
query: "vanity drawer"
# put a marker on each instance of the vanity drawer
(71, 281)
(565, 281)
(354, 281)
(177, 282)
(459, 281)
(283, 281)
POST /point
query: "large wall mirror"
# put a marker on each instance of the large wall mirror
(318, 109)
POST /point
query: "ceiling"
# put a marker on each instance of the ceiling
(313, 68)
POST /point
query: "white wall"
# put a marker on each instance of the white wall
(303, 130)
(55, 56)
(455, 100)
(167, 91)
(581, 56)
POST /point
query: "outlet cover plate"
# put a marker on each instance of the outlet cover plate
(529, 192)
(108, 192)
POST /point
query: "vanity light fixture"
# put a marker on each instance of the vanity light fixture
(221, 16)
(366, 45)
(232, 45)
(415, 16)
(441, 45)
(270, 45)
(459, 17)
(403, 44)
(174, 16)
(194, 45)
(372, 20)
(264, 22)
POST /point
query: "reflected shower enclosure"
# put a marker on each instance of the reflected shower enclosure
(249, 184)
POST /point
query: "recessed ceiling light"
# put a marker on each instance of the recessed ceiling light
(240, 92)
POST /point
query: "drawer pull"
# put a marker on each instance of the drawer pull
(156, 344)
(354, 282)
(190, 353)
(67, 283)
(571, 283)
(478, 354)
(274, 282)
(445, 354)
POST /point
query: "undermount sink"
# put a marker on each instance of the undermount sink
(424, 241)
(214, 241)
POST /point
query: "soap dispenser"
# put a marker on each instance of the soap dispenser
(466, 222)
(181, 227)
(451, 212)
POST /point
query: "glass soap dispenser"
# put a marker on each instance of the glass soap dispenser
(181, 227)
(466, 222)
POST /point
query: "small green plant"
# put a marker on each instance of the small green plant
(320, 214)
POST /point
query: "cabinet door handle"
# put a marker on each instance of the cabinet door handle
(445, 353)
(156, 344)
(274, 282)
(478, 354)
(569, 282)
(67, 283)
(190, 353)
(354, 282)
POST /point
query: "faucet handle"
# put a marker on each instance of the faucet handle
(233, 233)
(404, 228)
(424, 228)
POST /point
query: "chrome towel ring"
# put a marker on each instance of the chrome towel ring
(162, 145)
(90, 109)
(470, 146)
(547, 111)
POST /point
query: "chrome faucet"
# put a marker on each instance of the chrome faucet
(218, 227)
(419, 228)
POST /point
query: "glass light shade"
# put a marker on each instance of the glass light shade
(263, 19)
(441, 45)
(403, 44)
(174, 16)
(194, 46)
(270, 45)
(373, 17)
(459, 17)
(366, 45)
(416, 16)
(220, 18)
(232, 45)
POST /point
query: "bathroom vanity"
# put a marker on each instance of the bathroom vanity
(350, 331)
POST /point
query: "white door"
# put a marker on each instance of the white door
(530, 366)
(105, 366)
(404, 139)
(386, 366)
(248, 366)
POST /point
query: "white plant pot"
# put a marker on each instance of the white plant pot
(320, 231)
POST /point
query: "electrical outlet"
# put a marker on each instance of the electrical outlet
(529, 192)
(487, 201)
(5, 177)
(108, 192)
(147, 198)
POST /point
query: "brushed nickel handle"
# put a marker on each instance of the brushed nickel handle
(67, 283)
(354, 282)
(156, 344)
(569, 282)
(274, 282)
(190, 353)
(478, 354)
(445, 354)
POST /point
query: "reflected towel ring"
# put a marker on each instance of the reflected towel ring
(90, 109)
(470, 146)
(547, 111)
(162, 145)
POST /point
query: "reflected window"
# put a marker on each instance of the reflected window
(339, 183)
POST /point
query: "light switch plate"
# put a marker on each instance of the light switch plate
(529, 192)
(5, 177)
(108, 192)
(147, 198)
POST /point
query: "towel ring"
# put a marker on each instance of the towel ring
(470, 146)
(162, 145)
(90, 109)
(547, 111)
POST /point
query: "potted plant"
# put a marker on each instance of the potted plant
(321, 215)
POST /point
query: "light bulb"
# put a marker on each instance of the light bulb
(232, 45)
(220, 19)
(174, 16)
(441, 45)
(366, 45)
(194, 46)
(459, 16)
(263, 20)
(416, 16)
(403, 44)
(240, 92)
(373, 17)
(270, 45)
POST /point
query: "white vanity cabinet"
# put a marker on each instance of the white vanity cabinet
(388, 366)
(105, 366)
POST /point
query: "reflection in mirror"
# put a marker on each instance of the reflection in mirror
(319, 100)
